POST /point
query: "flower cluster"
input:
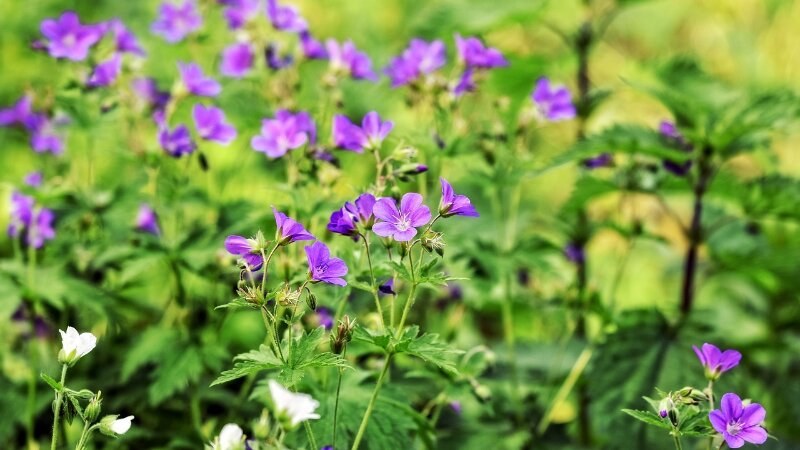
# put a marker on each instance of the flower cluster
(35, 223)
(42, 130)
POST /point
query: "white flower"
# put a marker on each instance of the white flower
(230, 438)
(121, 426)
(74, 345)
(295, 407)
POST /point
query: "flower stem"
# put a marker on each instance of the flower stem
(410, 300)
(338, 391)
(84, 436)
(57, 418)
(677, 441)
(363, 427)
(372, 280)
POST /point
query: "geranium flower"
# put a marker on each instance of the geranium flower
(553, 102)
(738, 423)
(106, 72)
(419, 58)
(247, 249)
(453, 204)
(369, 135)
(196, 82)
(211, 125)
(400, 224)
(347, 59)
(292, 408)
(147, 220)
(68, 38)
(75, 345)
(321, 267)
(289, 230)
(237, 60)
(472, 52)
(175, 22)
(715, 361)
(285, 18)
(285, 132)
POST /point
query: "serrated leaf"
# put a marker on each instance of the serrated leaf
(648, 418)
(175, 374)
(429, 348)
(250, 362)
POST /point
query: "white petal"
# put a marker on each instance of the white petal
(121, 426)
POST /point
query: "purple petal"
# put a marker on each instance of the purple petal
(731, 406)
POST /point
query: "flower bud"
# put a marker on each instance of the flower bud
(311, 301)
(343, 334)
(74, 346)
(92, 411)
(405, 154)
(263, 426)
(251, 294)
(287, 296)
(114, 426)
(432, 241)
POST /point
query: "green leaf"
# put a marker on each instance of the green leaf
(381, 339)
(52, 382)
(648, 417)
(305, 354)
(251, 362)
(148, 347)
(174, 374)
(429, 348)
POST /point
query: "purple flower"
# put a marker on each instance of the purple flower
(239, 12)
(466, 83)
(175, 22)
(387, 287)
(237, 60)
(41, 229)
(312, 48)
(670, 132)
(147, 220)
(147, 90)
(345, 221)
(18, 113)
(321, 267)
(370, 135)
(289, 230)
(739, 423)
(246, 249)
(347, 59)
(124, 40)
(106, 72)
(177, 142)
(43, 136)
(574, 253)
(196, 82)
(453, 204)
(285, 132)
(553, 102)
(473, 53)
(419, 58)
(68, 38)
(285, 18)
(601, 160)
(211, 125)
(400, 224)
(274, 59)
(33, 179)
(455, 405)
(21, 213)
(715, 361)
(325, 318)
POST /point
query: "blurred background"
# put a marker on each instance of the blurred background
(138, 295)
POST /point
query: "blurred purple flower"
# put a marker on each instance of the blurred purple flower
(106, 72)
(246, 249)
(596, 162)
(387, 287)
(453, 204)
(370, 135)
(325, 318)
(21, 213)
(345, 58)
(147, 220)
(124, 40)
(68, 38)
(321, 267)
(285, 132)
(715, 361)
(43, 136)
(147, 90)
(312, 48)
(177, 142)
(466, 82)
(285, 18)
(738, 423)
(196, 82)
(400, 224)
(274, 59)
(237, 60)
(553, 102)
(345, 221)
(455, 405)
(211, 125)
(419, 58)
(574, 253)
(33, 179)
(239, 12)
(473, 53)
(41, 229)
(670, 132)
(18, 113)
(175, 21)
(289, 230)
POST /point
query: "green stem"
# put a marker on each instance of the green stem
(363, 427)
(410, 300)
(57, 418)
(710, 393)
(336, 402)
(372, 279)
(84, 436)
(271, 333)
(311, 439)
(677, 441)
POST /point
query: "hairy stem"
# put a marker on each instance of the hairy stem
(57, 418)
(677, 441)
(338, 392)
(364, 421)
(372, 280)
(695, 233)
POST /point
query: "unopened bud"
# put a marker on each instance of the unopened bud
(311, 301)
(405, 153)
(343, 334)
(92, 411)
(287, 296)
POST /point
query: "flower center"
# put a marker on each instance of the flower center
(403, 224)
(734, 428)
(322, 268)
